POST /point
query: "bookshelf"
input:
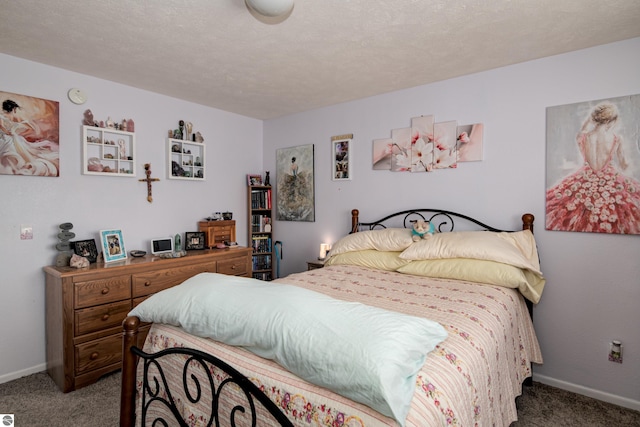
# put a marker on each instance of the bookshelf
(261, 231)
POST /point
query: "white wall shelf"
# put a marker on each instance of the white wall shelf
(185, 160)
(108, 151)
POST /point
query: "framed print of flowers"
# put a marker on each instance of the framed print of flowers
(428, 145)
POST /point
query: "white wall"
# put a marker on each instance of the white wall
(593, 286)
(92, 203)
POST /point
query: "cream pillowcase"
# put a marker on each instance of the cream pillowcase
(381, 260)
(387, 240)
(481, 271)
(515, 248)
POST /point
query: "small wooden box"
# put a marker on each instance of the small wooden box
(218, 231)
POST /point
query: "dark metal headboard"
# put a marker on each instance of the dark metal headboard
(442, 220)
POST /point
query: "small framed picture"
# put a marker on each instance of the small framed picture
(193, 240)
(341, 159)
(254, 180)
(86, 248)
(112, 245)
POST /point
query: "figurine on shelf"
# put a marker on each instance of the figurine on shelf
(188, 126)
(122, 149)
(198, 137)
(130, 126)
(110, 123)
(267, 179)
(88, 119)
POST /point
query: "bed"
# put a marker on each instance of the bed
(475, 288)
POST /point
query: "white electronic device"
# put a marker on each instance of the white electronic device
(162, 245)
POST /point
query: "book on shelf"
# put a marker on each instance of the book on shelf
(261, 199)
(261, 243)
(262, 262)
(259, 223)
(263, 276)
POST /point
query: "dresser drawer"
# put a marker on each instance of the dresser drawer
(222, 233)
(98, 353)
(101, 291)
(155, 281)
(101, 317)
(234, 266)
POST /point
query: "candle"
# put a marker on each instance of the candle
(324, 248)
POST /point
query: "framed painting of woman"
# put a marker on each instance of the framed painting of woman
(295, 199)
(593, 166)
(29, 136)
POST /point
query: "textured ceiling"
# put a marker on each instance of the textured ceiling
(216, 53)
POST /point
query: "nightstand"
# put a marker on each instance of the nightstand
(312, 265)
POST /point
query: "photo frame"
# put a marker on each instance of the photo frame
(86, 248)
(112, 245)
(194, 240)
(254, 180)
(341, 157)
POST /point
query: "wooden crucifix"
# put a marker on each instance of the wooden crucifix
(149, 180)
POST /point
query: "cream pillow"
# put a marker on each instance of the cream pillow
(481, 271)
(515, 248)
(381, 260)
(388, 239)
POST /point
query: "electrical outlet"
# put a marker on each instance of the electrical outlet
(26, 232)
(615, 351)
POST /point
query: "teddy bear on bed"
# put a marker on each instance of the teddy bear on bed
(422, 230)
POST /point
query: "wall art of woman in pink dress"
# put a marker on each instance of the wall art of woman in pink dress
(28, 136)
(599, 197)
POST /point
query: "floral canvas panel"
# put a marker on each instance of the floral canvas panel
(29, 136)
(469, 142)
(382, 154)
(401, 150)
(445, 153)
(593, 166)
(422, 144)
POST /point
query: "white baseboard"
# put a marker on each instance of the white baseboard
(585, 391)
(19, 374)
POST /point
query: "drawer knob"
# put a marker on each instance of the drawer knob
(233, 267)
(105, 317)
(147, 283)
(94, 355)
(105, 291)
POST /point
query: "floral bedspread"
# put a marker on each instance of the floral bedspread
(471, 378)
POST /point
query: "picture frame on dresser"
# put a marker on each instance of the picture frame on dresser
(112, 244)
(86, 248)
(194, 240)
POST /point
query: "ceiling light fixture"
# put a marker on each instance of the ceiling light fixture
(271, 8)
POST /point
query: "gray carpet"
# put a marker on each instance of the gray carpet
(36, 401)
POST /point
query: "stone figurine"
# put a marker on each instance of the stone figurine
(88, 118)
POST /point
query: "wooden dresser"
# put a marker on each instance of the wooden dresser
(85, 307)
